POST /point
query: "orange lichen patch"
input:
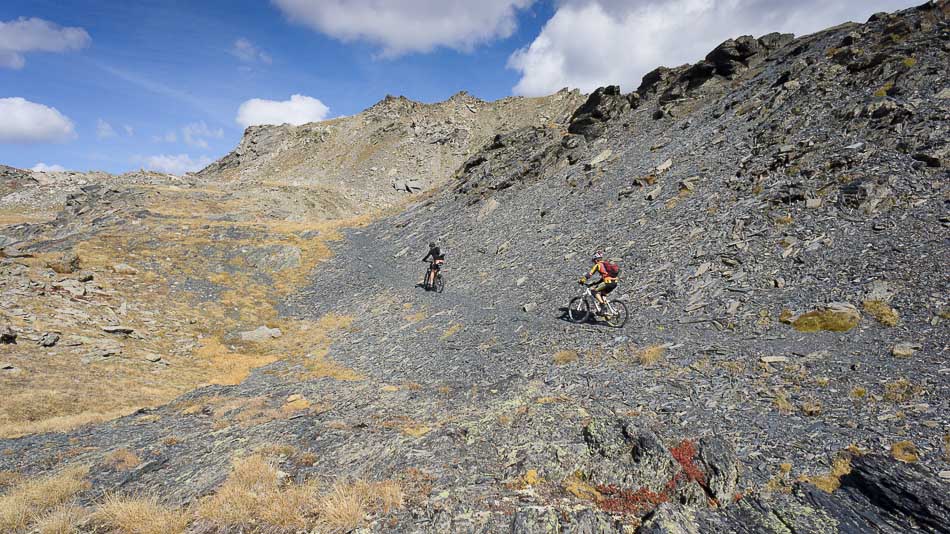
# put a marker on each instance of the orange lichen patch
(644, 500)
(832, 480)
(628, 502)
(905, 451)
(685, 454)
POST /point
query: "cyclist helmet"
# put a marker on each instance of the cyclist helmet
(432, 244)
(597, 256)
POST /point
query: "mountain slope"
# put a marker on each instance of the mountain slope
(780, 213)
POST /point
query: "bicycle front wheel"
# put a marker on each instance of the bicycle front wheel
(439, 283)
(618, 317)
(578, 310)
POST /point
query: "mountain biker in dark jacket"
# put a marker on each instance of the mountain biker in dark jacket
(436, 258)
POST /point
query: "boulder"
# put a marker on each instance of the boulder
(868, 195)
(603, 104)
(7, 335)
(261, 333)
(68, 263)
(49, 339)
(124, 268)
(74, 287)
(732, 55)
(408, 185)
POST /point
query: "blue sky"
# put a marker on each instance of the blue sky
(160, 83)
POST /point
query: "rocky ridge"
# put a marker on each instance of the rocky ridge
(395, 147)
(780, 213)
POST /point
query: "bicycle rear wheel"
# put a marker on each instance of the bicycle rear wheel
(619, 316)
(578, 310)
(439, 283)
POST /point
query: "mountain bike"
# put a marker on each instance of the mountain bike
(438, 283)
(579, 309)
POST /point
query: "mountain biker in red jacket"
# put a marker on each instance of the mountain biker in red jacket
(608, 277)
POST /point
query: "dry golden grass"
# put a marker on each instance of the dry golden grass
(9, 478)
(255, 497)
(649, 355)
(140, 515)
(780, 400)
(415, 430)
(345, 506)
(905, 451)
(31, 499)
(57, 395)
(453, 329)
(881, 311)
(900, 390)
(64, 519)
(779, 483)
(564, 357)
(811, 407)
(832, 480)
(122, 459)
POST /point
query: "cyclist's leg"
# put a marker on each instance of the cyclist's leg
(598, 292)
(606, 290)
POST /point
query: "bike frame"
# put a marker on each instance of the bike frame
(590, 295)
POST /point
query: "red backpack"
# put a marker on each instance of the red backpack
(612, 269)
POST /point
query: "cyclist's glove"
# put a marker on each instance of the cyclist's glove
(583, 279)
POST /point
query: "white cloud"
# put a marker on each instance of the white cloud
(36, 35)
(104, 129)
(589, 43)
(29, 122)
(129, 131)
(401, 26)
(42, 167)
(175, 163)
(245, 50)
(197, 133)
(169, 137)
(298, 110)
